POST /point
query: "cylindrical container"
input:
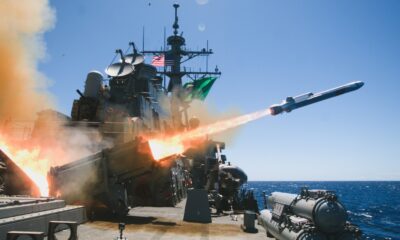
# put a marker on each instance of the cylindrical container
(93, 84)
(283, 233)
(328, 216)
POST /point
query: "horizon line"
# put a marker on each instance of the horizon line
(372, 180)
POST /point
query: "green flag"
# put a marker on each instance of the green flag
(198, 89)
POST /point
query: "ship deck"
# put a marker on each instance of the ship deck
(166, 223)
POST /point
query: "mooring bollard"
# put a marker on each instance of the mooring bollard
(14, 235)
(73, 227)
(248, 222)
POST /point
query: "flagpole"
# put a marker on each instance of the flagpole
(165, 68)
(207, 58)
(143, 39)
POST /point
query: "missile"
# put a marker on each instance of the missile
(302, 100)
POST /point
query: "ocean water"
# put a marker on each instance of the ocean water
(373, 206)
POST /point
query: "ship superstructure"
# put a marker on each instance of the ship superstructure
(133, 104)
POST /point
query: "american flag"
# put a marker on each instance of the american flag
(161, 61)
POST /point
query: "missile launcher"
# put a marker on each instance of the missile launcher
(118, 178)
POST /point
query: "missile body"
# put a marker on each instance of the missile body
(292, 103)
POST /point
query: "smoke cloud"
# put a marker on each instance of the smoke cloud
(23, 91)
(207, 114)
(22, 86)
(23, 94)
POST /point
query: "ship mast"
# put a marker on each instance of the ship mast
(177, 55)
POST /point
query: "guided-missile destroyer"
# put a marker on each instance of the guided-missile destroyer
(130, 182)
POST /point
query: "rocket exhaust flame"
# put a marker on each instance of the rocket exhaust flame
(31, 163)
(22, 85)
(162, 148)
(56, 145)
(177, 144)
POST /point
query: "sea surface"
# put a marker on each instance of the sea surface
(373, 206)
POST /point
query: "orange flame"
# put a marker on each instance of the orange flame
(161, 148)
(31, 163)
(177, 144)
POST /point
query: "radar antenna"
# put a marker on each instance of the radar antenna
(134, 58)
(176, 25)
(119, 51)
(120, 69)
(132, 44)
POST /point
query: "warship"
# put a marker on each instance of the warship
(135, 188)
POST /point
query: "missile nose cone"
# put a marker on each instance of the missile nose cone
(358, 84)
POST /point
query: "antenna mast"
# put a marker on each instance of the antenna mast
(174, 57)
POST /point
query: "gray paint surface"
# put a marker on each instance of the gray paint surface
(166, 223)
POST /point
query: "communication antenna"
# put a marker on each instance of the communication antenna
(175, 55)
(120, 69)
(134, 58)
(143, 39)
(165, 49)
(175, 26)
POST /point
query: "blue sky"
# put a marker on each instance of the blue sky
(266, 50)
